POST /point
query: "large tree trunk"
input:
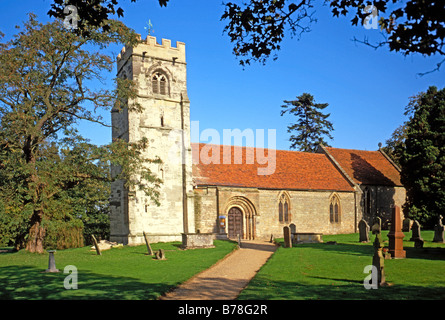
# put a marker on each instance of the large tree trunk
(36, 234)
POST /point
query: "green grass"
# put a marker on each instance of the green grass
(334, 272)
(118, 274)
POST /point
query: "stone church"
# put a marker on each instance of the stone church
(221, 190)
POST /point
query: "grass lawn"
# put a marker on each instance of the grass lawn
(119, 273)
(334, 272)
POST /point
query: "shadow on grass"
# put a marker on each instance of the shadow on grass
(339, 289)
(367, 249)
(30, 283)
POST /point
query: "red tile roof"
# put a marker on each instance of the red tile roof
(367, 167)
(292, 170)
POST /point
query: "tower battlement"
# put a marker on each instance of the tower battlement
(149, 47)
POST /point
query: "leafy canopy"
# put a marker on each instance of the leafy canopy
(423, 159)
(46, 165)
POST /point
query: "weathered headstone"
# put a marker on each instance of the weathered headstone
(418, 243)
(96, 245)
(363, 229)
(406, 225)
(396, 236)
(415, 229)
(51, 262)
(293, 230)
(150, 251)
(377, 226)
(439, 231)
(378, 260)
(160, 255)
(287, 237)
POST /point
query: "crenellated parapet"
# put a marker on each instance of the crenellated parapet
(149, 47)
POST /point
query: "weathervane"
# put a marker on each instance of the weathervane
(149, 28)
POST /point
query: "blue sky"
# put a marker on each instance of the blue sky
(366, 89)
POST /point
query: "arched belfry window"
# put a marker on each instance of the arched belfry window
(335, 209)
(284, 208)
(159, 83)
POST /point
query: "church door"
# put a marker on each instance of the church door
(235, 222)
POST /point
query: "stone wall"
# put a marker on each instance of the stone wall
(309, 210)
(383, 199)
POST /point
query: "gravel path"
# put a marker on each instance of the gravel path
(226, 279)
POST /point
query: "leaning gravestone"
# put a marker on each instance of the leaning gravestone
(147, 243)
(287, 237)
(415, 228)
(363, 228)
(438, 231)
(96, 245)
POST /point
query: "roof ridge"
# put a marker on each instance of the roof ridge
(352, 149)
(248, 147)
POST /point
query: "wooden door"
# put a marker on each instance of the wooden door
(235, 223)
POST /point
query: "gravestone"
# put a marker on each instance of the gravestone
(150, 251)
(293, 230)
(378, 261)
(363, 228)
(160, 255)
(439, 230)
(406, 225)
(287, 237)
(415, 228)
(377, 226)
(96, 245)
(396, 236)
(418, 243)
(51, 262)
(271, 238)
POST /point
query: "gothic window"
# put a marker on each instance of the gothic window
(283, 208)
(367, 199)
(334, 210)
(159, 83)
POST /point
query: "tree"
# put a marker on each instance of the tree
(423, 160)
(395, 145)
(46, 75)
(257, 27)
(312, 125)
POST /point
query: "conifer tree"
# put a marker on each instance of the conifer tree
(312, 126)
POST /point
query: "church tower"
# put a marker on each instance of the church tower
(159, 71)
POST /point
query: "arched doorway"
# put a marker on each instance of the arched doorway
(235, 223)
(241, 218)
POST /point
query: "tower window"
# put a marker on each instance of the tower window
(159, 83)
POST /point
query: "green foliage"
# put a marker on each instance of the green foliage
(396, 144)
(90, 13)
(423, 160)
(312, 125)
(52, 178)
(257, 27)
